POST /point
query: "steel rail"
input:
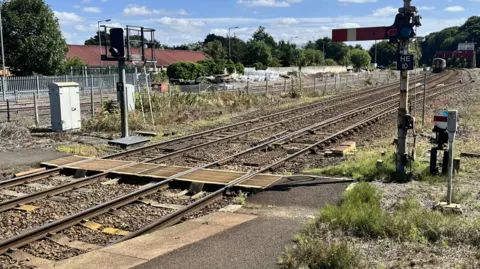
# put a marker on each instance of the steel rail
(69, 221)
(44, 174)
(177, 215)
(10, 204)
(58, 225)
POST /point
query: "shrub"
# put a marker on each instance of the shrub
(330, 62)
(184, 70)
(160, 77)
(240, 68)
(311, 253)
(259, 66)
(230, 67)
(209, 66)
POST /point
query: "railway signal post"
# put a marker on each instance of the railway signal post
(400, 33)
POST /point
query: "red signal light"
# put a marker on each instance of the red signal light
(393, 32)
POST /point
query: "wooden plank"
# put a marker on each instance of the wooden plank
(99, 165)
(470, 155)
(64, 161)
(29, 172)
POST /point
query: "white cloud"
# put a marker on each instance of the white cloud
(136, 10)
(92, 9)
(76, 6)
(67, 17)
(268, 3)
(289, 21)
(181, 25)
(385, 11)
(454, 9)
(357, 1)
(425, 8)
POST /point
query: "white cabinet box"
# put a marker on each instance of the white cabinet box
(130, 89)
(65, 106)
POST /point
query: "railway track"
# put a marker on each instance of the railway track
(228, 132)
(344, 123)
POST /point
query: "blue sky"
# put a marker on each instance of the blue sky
(185, 21)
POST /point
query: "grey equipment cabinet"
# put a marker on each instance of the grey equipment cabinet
(65, 106)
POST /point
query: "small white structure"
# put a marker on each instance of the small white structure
(130, 100)
(65, 106)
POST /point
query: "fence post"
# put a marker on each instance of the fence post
(266, 85)
(8, 110)
(335, 82)
(199, 87)
(92, 106)
(38, 85)
(248, 85)
(326, 81)
(284, 85)
(3, 90)
(86, 79)
(66, 78)
(71, 71)
(35, 106)
(314, 84)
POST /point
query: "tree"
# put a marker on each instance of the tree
(72, 62)
(360, 58)
(240, 68)
(314, 57)
(32, 38)
(259, 52)
(209, 66)
(230, 67)
(261, 35)
(330, 62)
(287, 53)
(215, 50)
(386, 53)
(184, 71)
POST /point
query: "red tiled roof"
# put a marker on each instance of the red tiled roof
(91, 55)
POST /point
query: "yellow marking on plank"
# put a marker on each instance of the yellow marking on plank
(29, 172)
(27, 208)
(92, 225)
(115, 231)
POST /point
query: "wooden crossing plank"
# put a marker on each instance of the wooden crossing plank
(64, 161)
(99, 165)
(136, 168)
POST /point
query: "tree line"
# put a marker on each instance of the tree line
(34, 44)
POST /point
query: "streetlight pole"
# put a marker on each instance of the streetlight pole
(4, 71)
(229, 45)
(100, 40)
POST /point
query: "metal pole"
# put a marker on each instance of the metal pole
(4, 69)
(38, 85)
(376, 54)
(335, 82)
(326, 81)
(229, 47)
(8, 110)
(92, 104)
(266, 84)
(403, 111)
(450, 168)
(314, 84)
(35, 105)
(424, 98)
(248, 86)
(284, 85)
(99, 43)
(123, 97)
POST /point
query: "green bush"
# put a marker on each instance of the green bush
(330, 62)
(160, 77)
(311, 253)
(184, 71)
(260, 66)
(230, 67)
(240, 68)
(209, 66)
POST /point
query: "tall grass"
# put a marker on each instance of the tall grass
(361, 214)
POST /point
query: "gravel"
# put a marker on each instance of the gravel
(7, 262)
(50, 250)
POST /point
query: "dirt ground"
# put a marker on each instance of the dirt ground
(393, 253)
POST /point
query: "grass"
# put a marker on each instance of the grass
(310, 253)
(83, 150)
(241, 198)
(363, 166)
(361, 214)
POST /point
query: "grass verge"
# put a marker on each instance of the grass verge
(84, 150)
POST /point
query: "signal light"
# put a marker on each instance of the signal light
(117, 42)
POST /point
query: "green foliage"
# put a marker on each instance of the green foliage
(287, 53)
(260, 66)
(240, 68)
(259, 52)
(314, 57)
(360, 58)
(215, 50)
(160, 77)
(361, 214)
(32, 38)
(184, 70)
(310, 252)
(330, 62)
(262, 36)
(386, 53)
(449, 38)
(72, 62)
(209, 66)
(230, 67)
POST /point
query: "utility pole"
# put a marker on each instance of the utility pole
(100, 41)
(229, 45)
(4, 71)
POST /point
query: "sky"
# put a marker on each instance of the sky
(185, 21)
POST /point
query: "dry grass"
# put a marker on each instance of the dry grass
(13, 131)
(84, 150)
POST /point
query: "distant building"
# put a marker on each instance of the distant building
(464, 50)
(91, 56)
